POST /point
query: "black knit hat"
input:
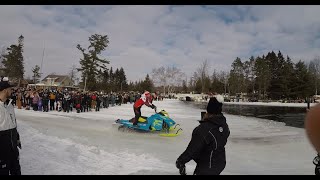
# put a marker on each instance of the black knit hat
(214, 106)
(4, 83)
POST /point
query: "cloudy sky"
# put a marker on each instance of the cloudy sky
(146, 37)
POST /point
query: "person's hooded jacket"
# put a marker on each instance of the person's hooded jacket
(207, 145)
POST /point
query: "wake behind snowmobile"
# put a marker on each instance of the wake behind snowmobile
(160, 122)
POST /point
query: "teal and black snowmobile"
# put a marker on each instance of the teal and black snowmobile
(158, 122)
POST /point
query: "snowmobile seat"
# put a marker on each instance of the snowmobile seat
(142, 119)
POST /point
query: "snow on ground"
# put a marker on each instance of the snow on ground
(89, 143)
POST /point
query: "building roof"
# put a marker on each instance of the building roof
(24, 81)
(59, 78)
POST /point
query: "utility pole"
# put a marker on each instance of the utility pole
(42, 59)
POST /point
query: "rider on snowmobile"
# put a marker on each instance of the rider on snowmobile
(145, 99)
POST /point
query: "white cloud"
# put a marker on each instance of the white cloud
(146, 37)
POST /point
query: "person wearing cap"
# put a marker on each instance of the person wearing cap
(207, 145)
(9, 136)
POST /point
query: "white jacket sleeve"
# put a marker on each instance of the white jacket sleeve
(7, 117)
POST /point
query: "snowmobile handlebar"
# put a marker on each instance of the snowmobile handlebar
(154, 107)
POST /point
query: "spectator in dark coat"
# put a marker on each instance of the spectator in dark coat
(207, 145)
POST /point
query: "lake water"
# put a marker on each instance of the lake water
(291, 116)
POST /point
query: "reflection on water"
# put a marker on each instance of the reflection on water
(291, 116)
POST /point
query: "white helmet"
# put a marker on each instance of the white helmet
(219, 98)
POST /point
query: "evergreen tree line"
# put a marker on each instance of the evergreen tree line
(92, 67)
(270, 76)
(115, 81)
(264, 77)
(96, 76)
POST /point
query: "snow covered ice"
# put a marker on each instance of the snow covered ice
(90, 143)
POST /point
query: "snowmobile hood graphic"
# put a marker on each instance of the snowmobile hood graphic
(157, 122)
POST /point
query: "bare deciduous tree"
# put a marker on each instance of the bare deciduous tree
(168, 77)
(314, 67)
(175, 78)
(224, 76)
(202, 73)
(159, 77)
(73, 74)
(3, 52)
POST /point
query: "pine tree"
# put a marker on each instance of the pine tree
(207, 84)
(131, 86)
(236, 78)
(123, 79)
(13, 61)
(290, 77)
(36, 74)
(147, 84)
(105, 80)
(263, 75)
(111, 79)
(283, 76)
(217, 82)
(303, 86)
(117, 81)
(246, 74)
(275, 88)
(91, 64)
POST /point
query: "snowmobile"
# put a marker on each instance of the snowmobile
(158, 122)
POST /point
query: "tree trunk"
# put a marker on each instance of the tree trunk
(316, 87)
(202, 84)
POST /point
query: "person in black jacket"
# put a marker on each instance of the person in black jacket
(9, 136)
(45, 101)
(84, 102)
(207, 145)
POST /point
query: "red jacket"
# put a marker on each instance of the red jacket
(145, 99)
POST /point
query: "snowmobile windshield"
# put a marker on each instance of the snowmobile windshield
(164, 113)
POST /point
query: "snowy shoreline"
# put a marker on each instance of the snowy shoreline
(275, 104)
(272, 104)
(87, 143)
